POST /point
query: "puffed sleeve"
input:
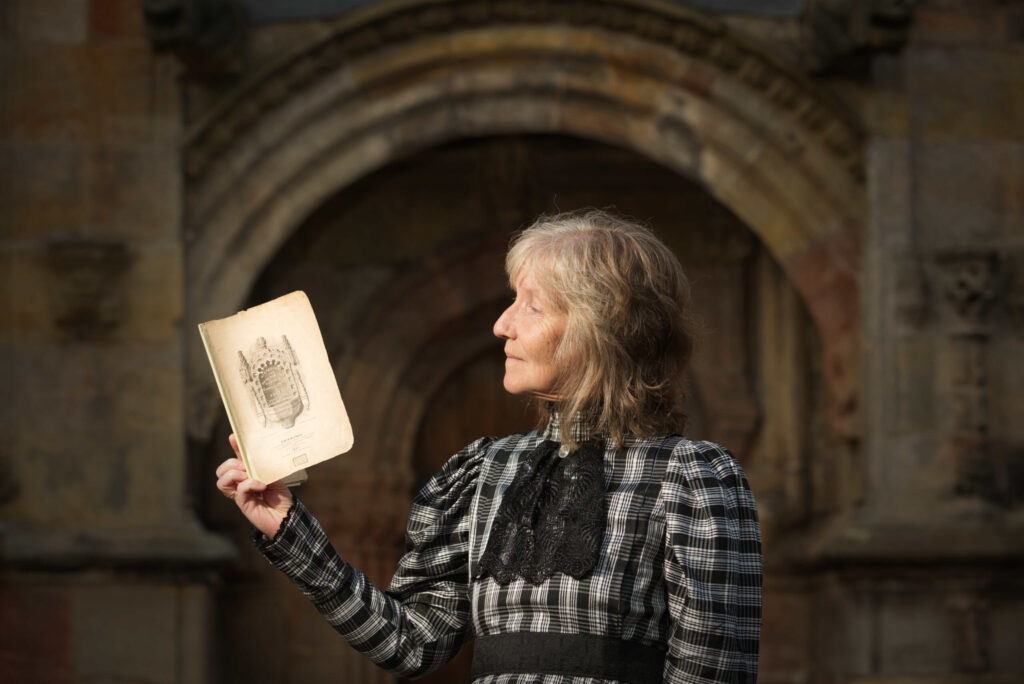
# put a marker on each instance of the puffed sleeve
(712, 567)
(422, 619)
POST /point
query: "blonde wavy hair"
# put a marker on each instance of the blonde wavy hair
(629, 334)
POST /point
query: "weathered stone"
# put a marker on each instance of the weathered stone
(132, 192)
(132, 94)
(142, 617)
(116, 19)
(980, 98)
(47, 21)
(1003, 646)
(1006, 379)
(913, 637)
(26, 311)
(314, 174)
(30, 615)
(890, 201)
(155, 300)
(46, 94)
(981, 27)
(88, 278)
(915, 388)
(968, 186)
(41, 190)
(125, 403)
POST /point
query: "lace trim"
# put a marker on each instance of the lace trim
(552, 517)
(286, 519)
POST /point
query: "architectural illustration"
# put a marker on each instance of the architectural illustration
(271, 373)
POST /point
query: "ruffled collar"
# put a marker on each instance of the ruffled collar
(583, 428)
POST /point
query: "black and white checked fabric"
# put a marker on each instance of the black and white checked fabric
(680, 566)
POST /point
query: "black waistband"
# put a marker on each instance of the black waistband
(580, 655)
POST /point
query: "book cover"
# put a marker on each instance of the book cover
(278, 387)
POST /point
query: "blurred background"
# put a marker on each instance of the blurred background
(842, 179)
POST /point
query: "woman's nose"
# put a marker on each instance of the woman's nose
(503, 326)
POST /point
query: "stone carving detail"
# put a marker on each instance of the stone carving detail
(688, 32)
(89, 298)
(207, 35)
(970, 283)
(837, 32)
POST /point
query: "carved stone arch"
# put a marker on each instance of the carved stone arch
(653, 77)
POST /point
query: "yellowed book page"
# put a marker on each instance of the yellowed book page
(278, 387)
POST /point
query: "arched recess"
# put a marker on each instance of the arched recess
(653, 77)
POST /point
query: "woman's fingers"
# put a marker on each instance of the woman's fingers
(230, 464)
(265, 506)
(228, 481)
(251, 486)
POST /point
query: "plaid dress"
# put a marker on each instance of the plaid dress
(679, 566)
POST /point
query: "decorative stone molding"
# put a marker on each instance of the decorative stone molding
(970, 283)
(677, 28)
(207, 35)
(837, 32)
(88, 297)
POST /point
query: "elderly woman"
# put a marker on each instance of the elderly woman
(602, 546)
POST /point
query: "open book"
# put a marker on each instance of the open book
(278, 388)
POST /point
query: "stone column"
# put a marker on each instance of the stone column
(105, 570)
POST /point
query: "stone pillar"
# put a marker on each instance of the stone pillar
(927, 574)
(104, 567)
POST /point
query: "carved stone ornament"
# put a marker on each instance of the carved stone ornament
(88, 297)
(839, 32)
(971, 282)
(207, 35)
(674, 26)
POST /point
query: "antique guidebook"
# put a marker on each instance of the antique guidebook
(278, 388)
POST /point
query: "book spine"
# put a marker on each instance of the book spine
(226, 400)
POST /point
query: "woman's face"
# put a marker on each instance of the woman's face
(532, 329)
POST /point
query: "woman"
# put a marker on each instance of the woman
(600, 547)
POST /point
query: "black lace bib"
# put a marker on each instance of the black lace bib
(552, 517)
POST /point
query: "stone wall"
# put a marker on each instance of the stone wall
(882, 169)
(104, 566)
(929, 573)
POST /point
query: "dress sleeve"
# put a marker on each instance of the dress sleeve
(712, 568)
(421, 621)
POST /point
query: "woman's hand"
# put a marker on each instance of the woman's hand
(264, 505)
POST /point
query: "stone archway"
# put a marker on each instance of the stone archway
(404, 268)
(399, 78)
(659, 79)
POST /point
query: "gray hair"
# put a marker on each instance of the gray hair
(629, 335)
